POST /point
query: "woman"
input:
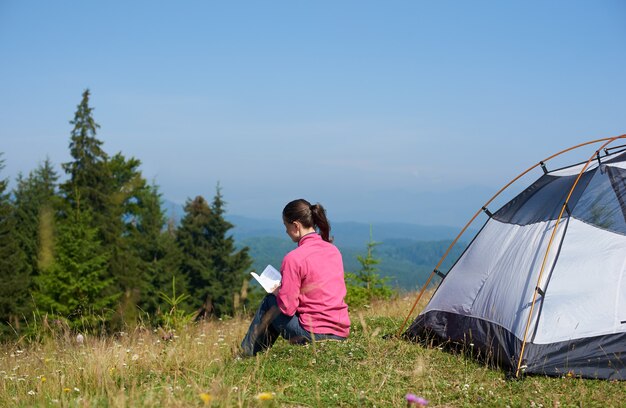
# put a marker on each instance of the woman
(309, 304)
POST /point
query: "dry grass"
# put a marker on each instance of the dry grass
(118, 371)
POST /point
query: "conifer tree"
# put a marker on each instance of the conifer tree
(229, 263)
(36, 203)
(158, 251)
(368, 274)
(211, 263)
(109, 189)
(14, 273)
(75, 286)
(88, 184)
(194, 239)
(366, 285)
(120, 235)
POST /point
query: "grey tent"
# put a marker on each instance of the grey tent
(542, 287)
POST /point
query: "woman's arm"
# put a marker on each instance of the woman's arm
(288, 295)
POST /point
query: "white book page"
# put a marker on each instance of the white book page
(269, 278)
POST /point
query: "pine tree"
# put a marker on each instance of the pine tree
(366, 285)
(89, 178)
(194, 239)
(75, 286)
(14, 272)
(109, 188)
(230, 264)
(120, 235)
(368, 274)
(213, 266)
(158, 251)
(36, 203)
(90, 190)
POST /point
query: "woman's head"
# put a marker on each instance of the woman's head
(308, 216)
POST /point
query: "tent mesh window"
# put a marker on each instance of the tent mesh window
(603, 204)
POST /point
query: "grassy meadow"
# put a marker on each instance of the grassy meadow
(196, 367)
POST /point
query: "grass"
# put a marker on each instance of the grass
(197, 368)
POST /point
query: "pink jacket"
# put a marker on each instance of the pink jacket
(313, 286)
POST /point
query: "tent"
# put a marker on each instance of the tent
(541, 289)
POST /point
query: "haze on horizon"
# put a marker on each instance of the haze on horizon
(403, 111)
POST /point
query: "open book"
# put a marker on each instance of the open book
(269, 278)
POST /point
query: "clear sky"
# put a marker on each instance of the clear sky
(410, 111)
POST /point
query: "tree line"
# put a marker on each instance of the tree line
(96, 251)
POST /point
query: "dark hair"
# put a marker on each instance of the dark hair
(309, 216)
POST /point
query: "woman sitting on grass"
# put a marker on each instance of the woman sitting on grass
(309, 304)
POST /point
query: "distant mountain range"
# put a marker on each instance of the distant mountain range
(408, 252)
(345, 233)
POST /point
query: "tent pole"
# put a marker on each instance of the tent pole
(554, 231)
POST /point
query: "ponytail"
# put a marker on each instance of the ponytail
(309, 216)
(320, 220)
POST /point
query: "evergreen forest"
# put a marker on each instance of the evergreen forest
(95, 252)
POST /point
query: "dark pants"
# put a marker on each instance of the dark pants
(269, 323)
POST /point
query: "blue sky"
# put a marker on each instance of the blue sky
(408, 111)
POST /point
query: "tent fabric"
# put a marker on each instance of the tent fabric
(578, 322)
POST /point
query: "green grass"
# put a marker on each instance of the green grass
(142, 369)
